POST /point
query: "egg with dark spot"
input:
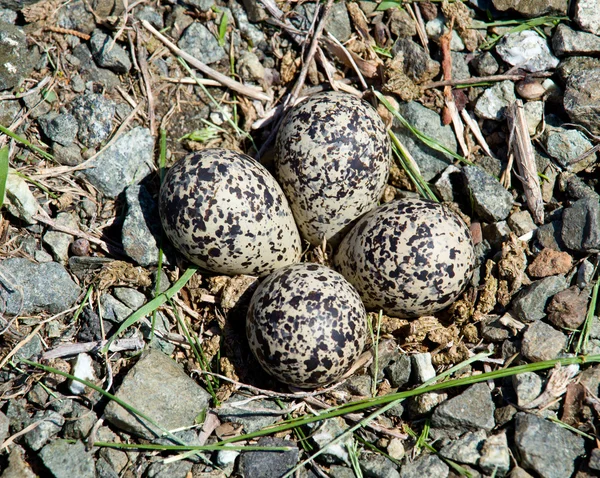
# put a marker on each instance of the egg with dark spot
(306, 325)
(410, 258)
(226, 213)
(332, 159)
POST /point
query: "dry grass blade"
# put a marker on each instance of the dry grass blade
(522, 149)
(474, 127)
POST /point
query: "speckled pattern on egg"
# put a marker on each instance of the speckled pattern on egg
(410, 257)
(332, 159)
(226, 213)
(306, 325)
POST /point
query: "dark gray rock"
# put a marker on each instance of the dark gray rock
(549, 235)
(61, 128)
(567, 41)
(113, 310)
(495, 455)
(253, 35)
(8, 111)
(582, 98)
(104, 470)
(50, 424)
(527, 50)
(132, 298)
(545, 447)
(449, 183)
(528, 386)
(466, 449)
(67, 155)
(4, 423)
(80, 422)
(587, 16)
(492, 103)
(521, 222)
(58, 242)
(109, 54)
(31, 349)
(533, 8)
(425, 465)
(485, 64)
(398, 372)
(95, 114)
(125, 162)
(36, 105)
(417, 64)
(324, 433)
(76, 16)
(141, 229)
(375, 465)
(35, 287)
(199, 42)
(89, 71)
(169, 470)
(252, 415)
(575, 187)
(65, 460)
(594, 461)
(202, 5)
(269, 464)
(496, 233)
(338, 21)
(493, 330)
(581, 226)
(492, 202)
(159, 388)
(14, 58)
(430, 161)
(565, 145)
(530, 303)
(471, 410)
(542, 342)
(149, 14)
(338, 471)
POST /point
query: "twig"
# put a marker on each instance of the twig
(134, 343)
(250, 91)
(32, 91)
(141, 54)
(190, 81)
(68, 31)
(472, 124)
(471, 81)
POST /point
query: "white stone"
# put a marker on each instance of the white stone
(19, 199)
(534, 112)
(83, 369)
(587, 15)
(527, 50)
(492, 103)
(227, 457)
(437, 27)
(423, 367)
(395, 448)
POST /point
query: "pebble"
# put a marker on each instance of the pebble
(401, 23)
(20, 201)
(566, 145)
(8, 111)
(594, 461)
(376, 465)
(567, 41)
(472, 409)
(465, 449)
(550, 262)
(492, 103)
(327, 431)
(65, 460)
(422, 367)
(8, 16)
(581, 226)
(542, 342)
(94, 114)
(60, 128)
(528, 386)
(159, 388)
(15, 63)
(253, 35)
(430, 161)
(496, 233)
(448, 184)
(545, 447)
(398, 372)
(494, 330)
(90, 72)
(80, 247)
(534, 113)
(108, 53)
(125, 162)
(425, 465)
(202, 5)
(485, 64)
(587, 16)
(527, 50)
(269, 464)
(50, 424)
(492, 202)
(83, 368)
(4, 423)
(521, 223)
(59, 242)
(529, 305)
(80, 422)
(417, 65)
(181, 468)
(17, 465)
(495, 455)
(549, 235)
(113, 310)
(149, 14)
(585, 273)
(253, 415)
(575, 187)
(141, 232)
(395, 448)
(532, 8)
(32, 287)
(437, 27)
(67, 155)
(581, 101)
(132, 298)
(568, 308)
(201, 44)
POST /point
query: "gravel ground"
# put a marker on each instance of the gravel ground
(90, 86)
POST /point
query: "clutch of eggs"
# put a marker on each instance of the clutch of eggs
(332, 159)
(410, 258)
(226, 213)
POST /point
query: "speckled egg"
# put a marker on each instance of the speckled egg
(306, 325)
(224, 212)
(410, 258)
(332, 159)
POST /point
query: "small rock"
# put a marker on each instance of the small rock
(256, 12)
(252, 415)
(113, 310)
(20, 201)
(581, 226)
(542, 342)
(141, 232)
(31, 349)
(527, 50)
(534, 113)
(585, 273)
(528, 386)
(8, 16)
(398, 372)
(423, 367)
(566, 145)
(50, 424)
(160, 469)
(587, 16)
(550, 262)
(545, 447)
(67, 155)
(59, 242)
(4, 422)
(491, 201)
(250, 68)
(533, 8)
(425, 465)
(35, 287)
(94, 113)
(575, 187)
(338, 22)
(80, 247)
(448, 183)
(375, 465)
(227, 457)
(60, 128)
(326, 432)
(530, 303)
(401, 24)
(495, 455)
(472, 409)
(359, 385)
(496, 233)
(581, 99)
(465, 449)
(14, 57)
(82, 368)
(65, 460)
(17, 465)
(594, 461)
(497, 329)
(567, 41)
(425, 402)
(149, 14)
(521, 223)
(132, 298)
(108, 53)
(549, 235)
(437, 27)
(159, 388)
(253, 35)
(201, 44)
(417, 65)
(485, 64)
(125, 162)
(8, 111)
(568, 308)
(395, 448)
(493, 101)
(269, 464)
(338, 471)
(80, 423)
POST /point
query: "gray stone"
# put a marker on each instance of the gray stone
(527, 50)
(141, 229)
(338, 22)
(249, 67)
(67, 155)
(113, 310)
(494, 330)
(338, 471)
(533, 8)
(149, 14)
(422, 367)
(530, 303)
(60, 128)
(587, 16)
(14, 57)
(83, 368)
(65, 460)
(581, 226)
(125, 162)
(594, 462)
(75, 16)
(437, 27)
(545, 447)
(542, 342)
(19, 199)
(104, 470)
(521, 223)
(575, 187)
(567, 41)
(8, 16)
(359, 385)
(534, 113)
(491, 201)
(201, 44)
(528, 386)
(495, 455)
(485, 64)
(50, 424)
(493, 101)
(549, 235)
(95, 114)
(202, 5)
(398, 372)
(425, 465)
(582, 99)
(58, 242)
(17, 465)
(417, 64)
(466, 449)
(253, 35)
(585, 273)
(80, 423)
(565, 145)
(31, 349)
(89, 71)
(159, 388)
(575, 64)
(449, 183)
(253, 415)
(108, 53)
(430, 161)
(4, 422)
(32, 287)
(269, 464)
(375, 465)
(132, 298)
(8, 111)
(425, 402)
(324, 433)
(470, 410)
(181, 468)
(400, 23)
(496, 233)
(256, 12)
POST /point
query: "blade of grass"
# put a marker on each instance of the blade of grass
(3, 173)
(24, 142)
(586, 329)
(521, 26)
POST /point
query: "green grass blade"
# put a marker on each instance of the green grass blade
(582, 343)
(24, 142)
(3, 173)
